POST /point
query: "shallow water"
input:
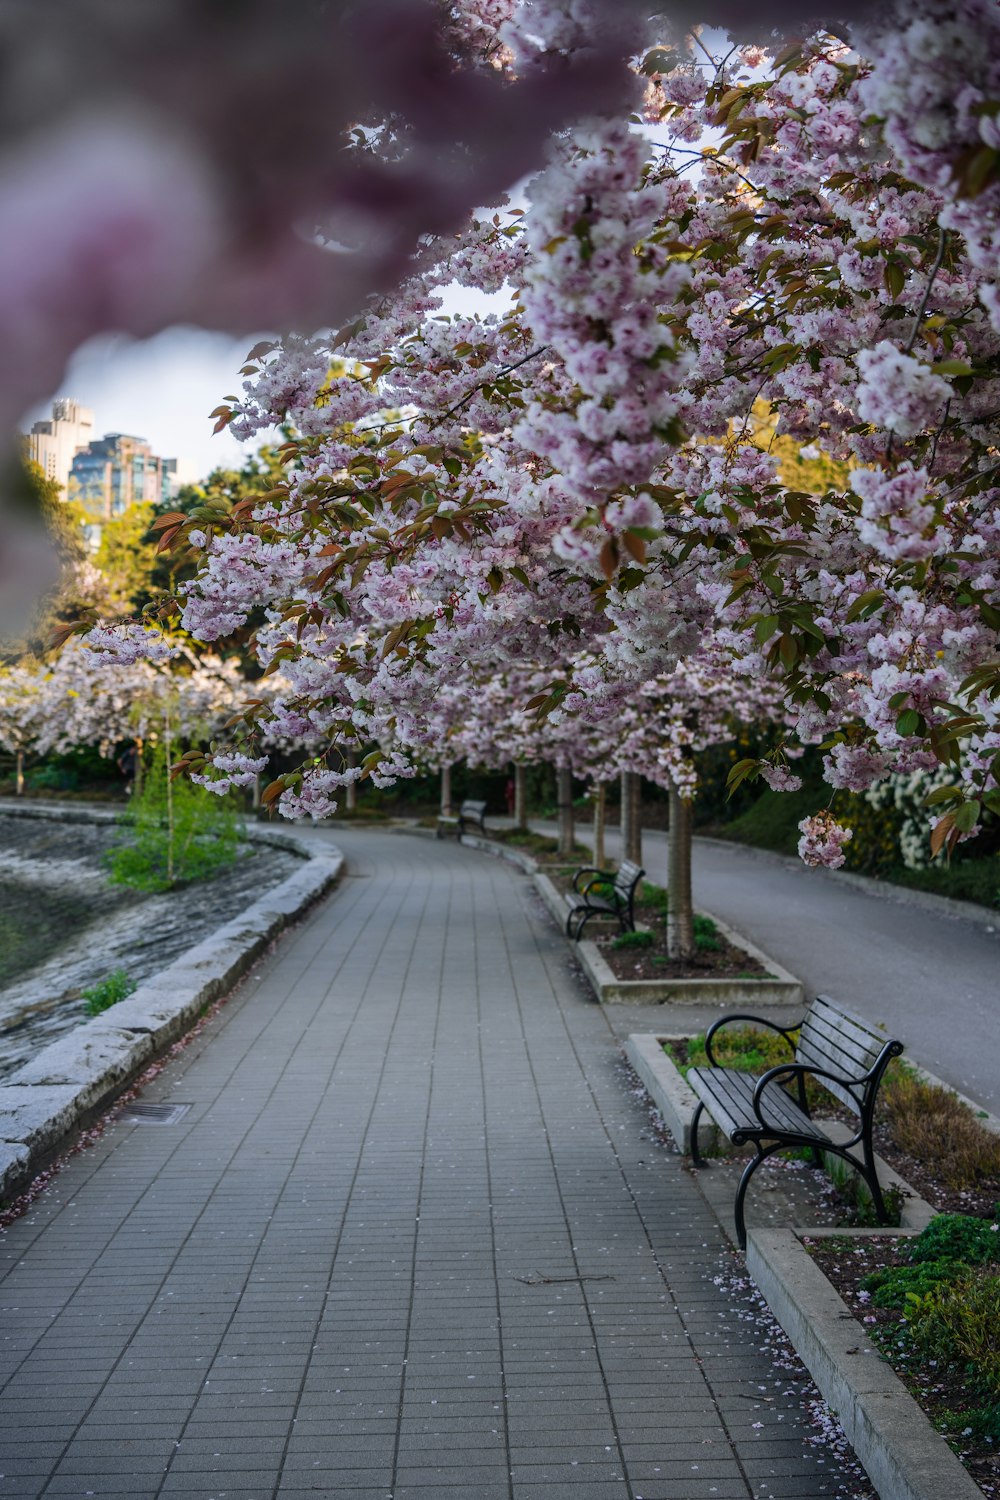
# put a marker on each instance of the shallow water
(63, 926)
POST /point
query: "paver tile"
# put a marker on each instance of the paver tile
(406, 1243)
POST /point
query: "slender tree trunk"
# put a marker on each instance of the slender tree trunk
(351, 792)
(137, 778)
(631, 817)
(19, 782)
(564, 797)
(599, 809)
(680, 913)
(520, 796)
(170, 801)
(256, 793)
(446, 791)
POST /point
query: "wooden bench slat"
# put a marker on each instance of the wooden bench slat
(825, 1032)
(827, 1019)
(731, 1091)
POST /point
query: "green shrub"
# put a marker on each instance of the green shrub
(894, 1286)
(654, 895)
(706, 935)
(108, 991)
(178, 832)
(634, 940)
(956, 1237)
(958, 1322)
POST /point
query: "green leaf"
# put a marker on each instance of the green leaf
(866, 604)
(952, 367)
(942, 794)
(660, 60)
(967, 817)
(909, 722)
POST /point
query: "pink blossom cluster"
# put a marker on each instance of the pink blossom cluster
(823, 839)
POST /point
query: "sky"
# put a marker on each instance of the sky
(162, 389)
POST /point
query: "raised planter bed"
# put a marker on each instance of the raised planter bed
(776, 987)
(905, 1457)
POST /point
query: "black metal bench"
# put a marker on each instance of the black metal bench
(603, 893)
(469, 812)
(843, 1052)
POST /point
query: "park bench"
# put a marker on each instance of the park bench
(469, 812)
(843, 1052)
(603, 893)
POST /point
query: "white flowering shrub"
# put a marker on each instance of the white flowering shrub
(906, 795)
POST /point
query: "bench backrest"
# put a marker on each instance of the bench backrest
(474, 809)
(844, 1043)
(628, 874)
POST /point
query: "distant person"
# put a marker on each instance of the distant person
(511, 796)
(128, 763)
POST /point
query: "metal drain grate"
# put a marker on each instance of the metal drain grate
(154, 1114)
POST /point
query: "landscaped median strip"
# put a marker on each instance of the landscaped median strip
(84, 1070)
(905, 1458)
(778, 987)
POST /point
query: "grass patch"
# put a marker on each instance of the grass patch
(747, 1048)
(627, 940)
(116, 986)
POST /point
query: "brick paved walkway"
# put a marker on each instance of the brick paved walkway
(414, 1238)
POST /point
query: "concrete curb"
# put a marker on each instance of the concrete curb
(905, 1458)
(83, 1071)
(499, 851)
(668, 1090)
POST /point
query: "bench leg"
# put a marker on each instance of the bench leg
(583, 917)
(874, 1186)
(762, 1154)
(696, 1157)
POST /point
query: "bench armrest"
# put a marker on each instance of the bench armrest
(716, 1026)
(800, 1072)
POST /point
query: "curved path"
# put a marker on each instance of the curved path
(930, 975)
(414, 1237)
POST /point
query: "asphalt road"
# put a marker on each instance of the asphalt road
(901, 959)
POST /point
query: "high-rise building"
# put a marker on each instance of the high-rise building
(116, 471)
(54, 442)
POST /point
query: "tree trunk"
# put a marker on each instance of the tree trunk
(631, 817)
(137, 778)
(170, 800)
(351, 790)
(564, 797)
(256, 793)
(446, 791)
(520, 796)
(599, 801)
(20, 773)
(680, 912)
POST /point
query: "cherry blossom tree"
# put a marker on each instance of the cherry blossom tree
(577, 479)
